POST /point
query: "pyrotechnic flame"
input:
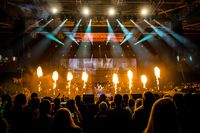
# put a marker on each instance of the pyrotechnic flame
(115, 81)
(157, 72)
(69, 76)
(144, 80)
(130, 77)
(84, 78)
(39, 72)
(55, 78)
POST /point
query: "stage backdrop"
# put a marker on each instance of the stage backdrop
(101, 69)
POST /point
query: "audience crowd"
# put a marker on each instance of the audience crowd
(152, 113)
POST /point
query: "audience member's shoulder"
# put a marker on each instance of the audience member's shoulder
(139, 109)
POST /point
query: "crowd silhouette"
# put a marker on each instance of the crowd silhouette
(153, 113)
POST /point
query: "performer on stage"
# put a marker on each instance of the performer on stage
(99, 90)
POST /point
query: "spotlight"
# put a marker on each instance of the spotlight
(86, 11)
(144, 12)
(14, 58)
(111, 12)
(54, 10)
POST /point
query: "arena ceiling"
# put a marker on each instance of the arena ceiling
(187, 10)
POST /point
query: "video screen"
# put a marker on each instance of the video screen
(100, 63)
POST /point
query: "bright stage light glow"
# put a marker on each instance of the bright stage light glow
(157, 72)
(190, 58)
(144, 12)
(14, 58)
(115, 79)
(86, 11)
(54, 10)
(39, 71)
(177, 58)
(84, 76)
(111, 12)
(69, 76)
(144, 80)
(55, 76)
(130, 77)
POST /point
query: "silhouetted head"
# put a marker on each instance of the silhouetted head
(71, 105)
(33, 95)
(102, 97)
(179, 100)
(163, 117)
(35, 103)
(103, 107)
(57, 101)
(131, 102)
(125, 98)
(138, 102)
(78, 98)
(45, 106)
(148, 99)
(118, 100)
(63, 119)
(20, 99)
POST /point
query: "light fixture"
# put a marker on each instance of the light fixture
(144, 12)
(86, 11)
(111, 12)
(54, 10)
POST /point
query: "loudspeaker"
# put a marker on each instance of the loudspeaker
(88, 98)
(136, 96)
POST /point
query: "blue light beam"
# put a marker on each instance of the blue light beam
(88, 31)
(178, 37)
(50, 36)
(145, 38)
(111, 33)
(128, 35)
(84, 50)
(54, 32)
(163, 35)
(138, 27)
(72, 34)
(43, 26)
